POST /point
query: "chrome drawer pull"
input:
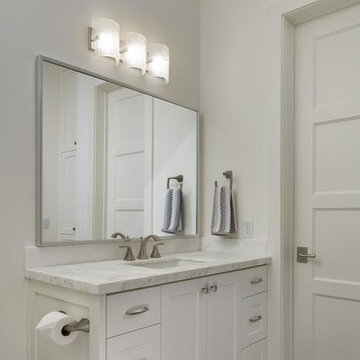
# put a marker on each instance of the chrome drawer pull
(137, 310)
(213, 288)
(255, 318)
(256, 281)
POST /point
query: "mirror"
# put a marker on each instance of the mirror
(111, 160)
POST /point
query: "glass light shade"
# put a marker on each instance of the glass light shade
(134, 53)
(106, 38)
(159, 61)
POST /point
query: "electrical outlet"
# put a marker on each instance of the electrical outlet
(248, 229)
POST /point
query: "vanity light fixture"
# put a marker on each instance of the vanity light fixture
(133, 53)
(104, 38)
(158, 63)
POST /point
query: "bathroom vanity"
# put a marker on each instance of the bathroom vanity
(194, 306)
(109, 160)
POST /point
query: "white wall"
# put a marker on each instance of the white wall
(233, 36)
(175, 148)
(59, 29)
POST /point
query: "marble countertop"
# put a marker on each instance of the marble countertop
(105, 277)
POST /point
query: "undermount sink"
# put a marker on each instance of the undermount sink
(165, 264)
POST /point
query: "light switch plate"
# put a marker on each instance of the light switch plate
(248, 229)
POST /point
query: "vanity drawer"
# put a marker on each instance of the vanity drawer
(257, 351)
(254, 281)
(254, 322)
(132, 310)
(141, 344)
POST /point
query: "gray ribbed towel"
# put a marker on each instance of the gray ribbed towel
(224, 214)
(173, 212)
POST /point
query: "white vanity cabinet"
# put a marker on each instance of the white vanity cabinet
(215, 317)
(218, 317)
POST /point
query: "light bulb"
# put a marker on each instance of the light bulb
(106, 38)
(159, 61)
(134, 53)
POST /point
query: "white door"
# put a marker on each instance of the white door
(143, 344)
(224, 317)
(128, 171)
(327, 187)
(183, 321)
(68, 157)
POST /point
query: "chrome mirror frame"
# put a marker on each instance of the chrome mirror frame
(39, 119)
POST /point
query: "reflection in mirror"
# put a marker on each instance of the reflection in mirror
(107, 154)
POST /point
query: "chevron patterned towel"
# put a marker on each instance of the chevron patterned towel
(224, 213)
(173, 212)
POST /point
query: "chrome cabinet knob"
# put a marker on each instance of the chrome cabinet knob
(205, 290)
(213, 288)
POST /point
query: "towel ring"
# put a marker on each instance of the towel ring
(229, 175)
(179, 179)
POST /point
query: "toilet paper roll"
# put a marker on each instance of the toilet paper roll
(51, 325)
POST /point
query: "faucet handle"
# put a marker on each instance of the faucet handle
(155, 253)
(129, 256)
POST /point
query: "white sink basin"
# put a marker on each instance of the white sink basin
(167, 263)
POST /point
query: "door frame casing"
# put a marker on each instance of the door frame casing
(280, 129)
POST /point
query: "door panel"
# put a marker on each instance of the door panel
(183, 321)
(128, 174)
(224, 317)
(336, 328)
(68, 194)
(336, 150)
(336, 233)
(327, 186)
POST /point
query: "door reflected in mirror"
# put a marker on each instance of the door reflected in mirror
(107, 154)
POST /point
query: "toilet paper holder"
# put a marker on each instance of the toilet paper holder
(81, 325)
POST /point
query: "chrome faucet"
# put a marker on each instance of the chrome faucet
(119, 234)
(142, 253)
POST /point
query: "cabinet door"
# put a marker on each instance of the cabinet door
(224, 317)
(257, 351)
(183, 321)
(138, 345)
